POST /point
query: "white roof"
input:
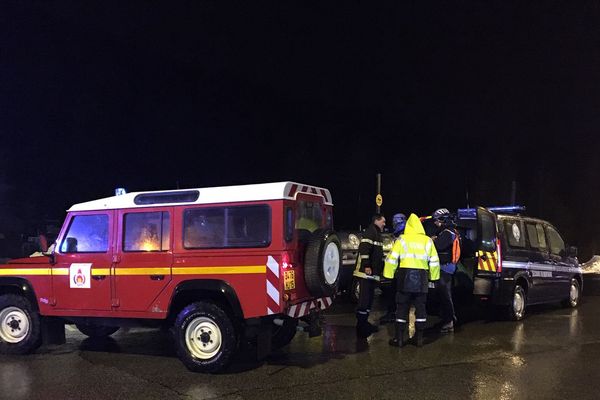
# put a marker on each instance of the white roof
(211, 195)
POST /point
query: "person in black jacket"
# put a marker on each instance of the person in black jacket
(444, 242)
(369, 266)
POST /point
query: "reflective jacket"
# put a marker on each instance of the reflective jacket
(415, 258)
(370, 253)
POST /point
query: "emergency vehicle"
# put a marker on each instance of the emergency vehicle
(218, 265)
(511, 260)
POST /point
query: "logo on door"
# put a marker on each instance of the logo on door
(79, 275)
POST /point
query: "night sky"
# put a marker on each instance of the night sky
(442, 99)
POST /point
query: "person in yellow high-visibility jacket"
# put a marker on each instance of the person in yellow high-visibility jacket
(413, 261)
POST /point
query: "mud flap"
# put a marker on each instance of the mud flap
(53, 331)
(314, 322)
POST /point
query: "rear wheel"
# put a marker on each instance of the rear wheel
(20, 330)
(574, 294)
(96, 331)
(516, 308)
(205, 338)
(323, 263)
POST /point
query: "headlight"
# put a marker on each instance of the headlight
(354, 241)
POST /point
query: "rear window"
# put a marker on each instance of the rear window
(514, 233)
(309, 216)
(222, 227)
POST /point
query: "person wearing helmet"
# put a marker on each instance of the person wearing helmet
(446, 240)
(389, 291)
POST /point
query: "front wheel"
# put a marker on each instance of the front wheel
(516, 308)
(20, 330)
(205, 338)
(574, 294)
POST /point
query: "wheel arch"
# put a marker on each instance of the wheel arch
(19, 286)
(214, 290)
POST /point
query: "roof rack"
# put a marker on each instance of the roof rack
(471, 213)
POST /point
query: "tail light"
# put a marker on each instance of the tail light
(498, 255)
(286, 260)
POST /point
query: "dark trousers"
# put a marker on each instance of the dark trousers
(365, 296)
(389, 295)
(445, 293)
(404, 301)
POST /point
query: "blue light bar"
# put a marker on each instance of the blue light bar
(471, 213)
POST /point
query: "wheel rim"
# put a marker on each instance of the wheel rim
(574, 294)
(518, 303)
(203, 338)
(331, 263)
(14, 325)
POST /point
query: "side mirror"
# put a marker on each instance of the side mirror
(572, 251)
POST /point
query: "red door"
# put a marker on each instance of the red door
(81, 275)
(143, 266)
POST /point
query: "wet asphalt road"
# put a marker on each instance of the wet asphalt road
(553, 354)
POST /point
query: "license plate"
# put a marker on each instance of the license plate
(289, 280)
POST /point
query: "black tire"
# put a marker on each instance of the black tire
(323, 263)
(205, 338)
(20, 328)
(574, 294)
(96, 331)
(515, 311)
(283, 335)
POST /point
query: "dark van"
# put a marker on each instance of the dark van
(513, 261)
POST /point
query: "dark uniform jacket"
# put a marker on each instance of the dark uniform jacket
(443, 244)
(370, 252)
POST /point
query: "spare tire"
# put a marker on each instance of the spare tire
(323, 263)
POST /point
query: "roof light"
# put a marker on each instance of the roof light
(120, 191)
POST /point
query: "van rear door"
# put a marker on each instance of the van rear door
(487, 253)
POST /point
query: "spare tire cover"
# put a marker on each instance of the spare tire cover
(322, 263)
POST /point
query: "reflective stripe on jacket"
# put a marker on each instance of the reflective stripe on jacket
(413, 250)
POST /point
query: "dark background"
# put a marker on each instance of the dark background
(442, 99)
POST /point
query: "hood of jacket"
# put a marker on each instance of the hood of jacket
(414, 226)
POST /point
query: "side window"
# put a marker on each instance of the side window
(289, 224)
(535, 234)
(219, 227)
(557, 244)
(514, 233)
(87, 234)
(146, 231)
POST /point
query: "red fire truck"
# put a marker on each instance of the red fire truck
(217, 265)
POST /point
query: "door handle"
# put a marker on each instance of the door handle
(157, 277)
(98, 277)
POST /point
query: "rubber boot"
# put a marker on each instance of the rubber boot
(419, 336)
(398, 339)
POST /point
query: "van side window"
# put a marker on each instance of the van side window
(289, 224)
(557, 244)
(537, 239)
(146, 231)
(514, 233)
(86, 234)
(222, 227)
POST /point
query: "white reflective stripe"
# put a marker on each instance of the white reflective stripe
(400, 320)
(361, 312)
(393, 255)
(273, 266)
(403, 243)
(273, 292)
(420, 319)
(364, 256)
(434, 263)
(415, 257)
